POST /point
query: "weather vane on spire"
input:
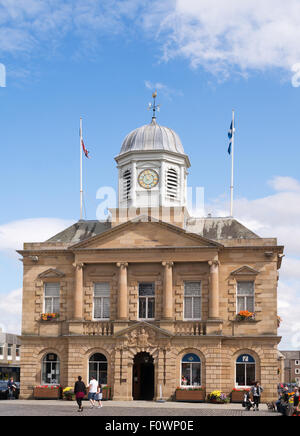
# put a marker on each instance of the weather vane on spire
(153, 106)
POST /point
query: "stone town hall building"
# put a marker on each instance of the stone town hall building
(147, 302)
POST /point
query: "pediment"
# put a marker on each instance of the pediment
(245, 271)
(143, 334)
(51, 273)
(146, 234)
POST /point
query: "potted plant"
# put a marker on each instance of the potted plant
(217, 397)
(245, 315)
(68, 394)
(187, 394)
(47, 392)
(237, 394)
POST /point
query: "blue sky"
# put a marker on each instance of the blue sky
(101, 60)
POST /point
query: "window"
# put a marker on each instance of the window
(52, 298)
(172, 184)
(192, 300)
(146, 301)
(101, 301)
(191, 370)
(297, 362)
(297, 371)
(1, 351)
(245, 296)
(126, 185)
(245, 370)
(51, 370)
(17, 352)
(98, 368)
(9, 351)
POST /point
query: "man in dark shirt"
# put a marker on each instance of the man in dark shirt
(11, 389)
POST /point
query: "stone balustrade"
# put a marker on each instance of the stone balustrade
(190, 328)
(98, 329)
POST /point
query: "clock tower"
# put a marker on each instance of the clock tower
(152, 168)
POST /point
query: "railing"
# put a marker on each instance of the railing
(183, 328)
(98, 329)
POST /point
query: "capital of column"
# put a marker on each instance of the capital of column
(78, 265)
(168, 264)
(213, 263)
(122, 265)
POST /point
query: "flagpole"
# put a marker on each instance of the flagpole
(81, 183)
(232, 165)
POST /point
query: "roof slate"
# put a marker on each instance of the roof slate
(210, 228)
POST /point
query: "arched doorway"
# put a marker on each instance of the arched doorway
(143, 377)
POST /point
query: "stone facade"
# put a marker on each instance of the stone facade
(146, 251)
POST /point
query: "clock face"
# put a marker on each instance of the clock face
(148, 179)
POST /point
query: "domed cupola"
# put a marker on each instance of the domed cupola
(152, 137)
(152, 167)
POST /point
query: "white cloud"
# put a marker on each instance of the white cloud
(11, 311)
(296, 76)
(222, 36)
(15, 233)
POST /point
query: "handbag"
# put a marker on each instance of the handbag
(80, 395)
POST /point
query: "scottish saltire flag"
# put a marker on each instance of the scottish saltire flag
(230, 136)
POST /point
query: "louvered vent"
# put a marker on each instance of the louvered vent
(172, 184)
(126, 185)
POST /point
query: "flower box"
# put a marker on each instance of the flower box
(49, 317)
(217, 397)
(245, 315)
(47, 392)
(237, 395)
(192, 395)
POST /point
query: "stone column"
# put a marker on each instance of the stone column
(123, 292)
(168, 291)
(78, 296)
(214, 312)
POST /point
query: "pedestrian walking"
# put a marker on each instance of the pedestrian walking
(256, 391)
(80, 392)
(12, 387)
(99, 396)
(93, 389)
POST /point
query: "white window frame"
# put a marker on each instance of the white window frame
(50, 298)
(57, 362)
(102, 302)
(146, 297)
(199, 363)
(235, 364)
(245, 296)
(10, 348)
(184, 297)
(3, 350)
(18, 348)
(297, 371)
(297, 362)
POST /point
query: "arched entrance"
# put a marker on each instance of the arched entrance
(143, 377)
